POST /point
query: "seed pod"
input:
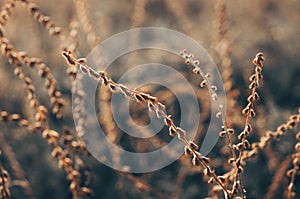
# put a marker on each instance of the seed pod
(205, 159)
(195, 161)
(203, 83)
(187, 62)
(291, 124)
(289, 173)
(138, 97)
(194, 146)
(246, 144)
(298, 136)
(196, 62)
(245, 111)
(297, 146)
(218, 114)
(230, 131)
(256, 96)
(252, 78)
(252, 113)
(250, 98)
(168, 121)
(240, 169)
(187, 151)
(231, 160)
(181, 133)
(172, 131)
(222, 133)
(248, 128)
(151, 107)
(252, 85)
(210, 181)
(112, 87)
(240, 146)
(214, 88)
(241, 136)
(196, 70)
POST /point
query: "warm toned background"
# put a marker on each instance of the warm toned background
(269, 26)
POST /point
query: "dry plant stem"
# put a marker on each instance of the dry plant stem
(277, 179)
(18, 172)
(4, 183)
(249, 112)
(271, 135)
(295, 170)
(6, 11)
(57, 151)
(222, 47)
(87, 26)
(43, 19)
(212, 90)
(18, 59)
(154, 105)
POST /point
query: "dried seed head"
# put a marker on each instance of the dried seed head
(246, 110)
(214, 96)
(151, 107)
(253, 85)
(195, 161)
(248, 128)
(218, 114)
(297, 146)
(168, 121)
(291, 124)
(222, 179)
(231, 160)
(196, 70)
(193, 146)
(181, 134)
(196, 62)
(246, 144)
(205, 159)
(298, 136)
(240, 169)
(240, 146)
(289, 173)
(172, 131)
(252, 78)
(256, 96)
(222, 133)
(203, 83)
(241, 135)
(250, 98)
(252, 113)
(214, 88)
(210, 181)
(187, 151)
(191, 55)
(112, 87)
(138, 97)
(207, 172)
(230, 131)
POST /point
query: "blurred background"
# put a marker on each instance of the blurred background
(232, 32)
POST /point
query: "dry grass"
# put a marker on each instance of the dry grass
(258, 153)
